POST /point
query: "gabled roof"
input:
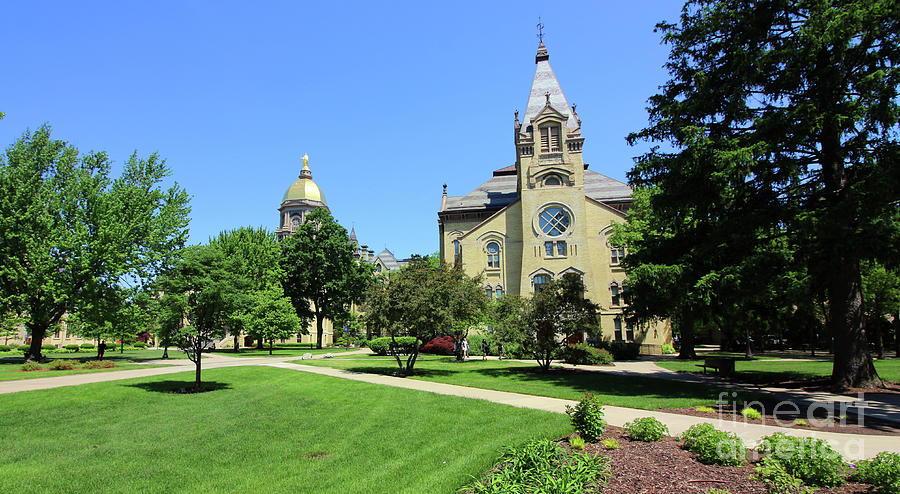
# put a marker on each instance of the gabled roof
(545, 82)
(500, 191)
(387, 258)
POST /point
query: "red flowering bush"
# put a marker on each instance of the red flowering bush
(442, 345)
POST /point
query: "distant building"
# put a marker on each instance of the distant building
(546, 215)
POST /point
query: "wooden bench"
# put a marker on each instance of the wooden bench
(724, 366)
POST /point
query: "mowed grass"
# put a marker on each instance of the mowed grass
(13, 371)
(782, 371)
(279, 351)
(260, 430)
(626, 391)
(136, 355)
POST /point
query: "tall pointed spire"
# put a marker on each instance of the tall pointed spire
(545, 82)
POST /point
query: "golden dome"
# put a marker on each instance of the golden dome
(304, 187)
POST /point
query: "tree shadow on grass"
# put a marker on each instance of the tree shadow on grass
(179, 387)
(395, 371)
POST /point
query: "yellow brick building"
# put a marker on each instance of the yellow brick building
(545, 216)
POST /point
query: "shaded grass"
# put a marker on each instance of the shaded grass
(779, 371)
(262, 430)
(626, 391)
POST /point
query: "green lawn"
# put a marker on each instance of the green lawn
(128, 355)
(260, 430)
(10, 371)
(280, 352)
(781, 371)
(626, 391)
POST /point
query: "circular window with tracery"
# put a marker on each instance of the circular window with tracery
(554, 221)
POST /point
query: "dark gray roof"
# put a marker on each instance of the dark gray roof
(500, 191)
(545, 82)
(388, 259)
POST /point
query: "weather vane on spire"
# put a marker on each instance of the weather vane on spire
(540, 26)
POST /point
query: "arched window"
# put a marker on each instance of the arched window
(552, 180)
(457, 252)
(488, 292)
(499, 291)
(540, 282)
(493, 254)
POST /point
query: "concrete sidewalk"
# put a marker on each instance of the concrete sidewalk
(852, 446)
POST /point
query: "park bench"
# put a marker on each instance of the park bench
(724, 366)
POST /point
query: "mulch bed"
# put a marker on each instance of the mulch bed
(664, 467)
(848, 425)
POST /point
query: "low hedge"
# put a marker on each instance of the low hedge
(5, 348)
(63, 365)
(584, 354)
(87, 346)
(98, 364)
(140, 345)
(24, 348)
(405, 345)
(48, 347)
(73, 347)
(31, 366)
(622, 350)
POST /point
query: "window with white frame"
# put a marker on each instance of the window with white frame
(616, 294)
(616, 254)
(493, 255)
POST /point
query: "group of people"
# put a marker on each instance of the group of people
(484, 348)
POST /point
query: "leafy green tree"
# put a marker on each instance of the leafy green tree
(9, 325)
(881, 301)
(271, 316)
(424, 300)
(194, 306)
(558, 313)
(255, 254)
(352, 327)
(72, 233)
(781, 119)
(323, 278)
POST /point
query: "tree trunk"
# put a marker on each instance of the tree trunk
(237, 342)
(38, 331)
(853, 366)
(197, 379)
(319, 330)
(271, 344)
(896, 326)
(166, 351)
(687, 336)
(879, 337)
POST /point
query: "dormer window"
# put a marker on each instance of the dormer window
(550, 142)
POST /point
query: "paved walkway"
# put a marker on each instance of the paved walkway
(852, 446)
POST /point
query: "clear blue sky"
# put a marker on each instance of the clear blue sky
(390, 100)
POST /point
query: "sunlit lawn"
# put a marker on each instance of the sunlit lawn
(782, 371)
(280, 351)
(627, 391)
(11, 362)
(10, 371)
(260, 430)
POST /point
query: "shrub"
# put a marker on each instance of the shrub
(801, 423)
(98, 364)
(583, 354)
(713, 446)
(31, 366)
(140, 344)
(5, 348)
(48, 347)
(73, 347)
(668, 349)
(62, 365)
(646, 429)
(87, 346)
(883, 472)
(751, 413)
(543, 466)
(587, 417)
(577, 442)
(622, 350)
(706, 409)
(718, 491)
(811, 460)
(610, 443)
(406, 345)
(24, 348)
(442, 345)
(778, 480)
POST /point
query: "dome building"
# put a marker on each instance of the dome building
(302, 197)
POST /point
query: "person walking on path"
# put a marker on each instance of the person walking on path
(484, 349)
(101, 348)
(500, 349)
(465, 345)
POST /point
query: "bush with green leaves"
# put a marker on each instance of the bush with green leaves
(587, 417)
(751, 413)
(577, 442)
(72, 347)
(622, 350)
(811, 460)
(714, 447)
(140, 344)
(405, 345)
(584, 354)
(24, 348)
(705, 409)
(777, 479)
(98, 364)
(63, 364)
(48, 347)
(883, 472)
(32, 366)
(87, 346)
(5, 348)
(668, 349)
(610, 443)
(646, 429)
(543, 466)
